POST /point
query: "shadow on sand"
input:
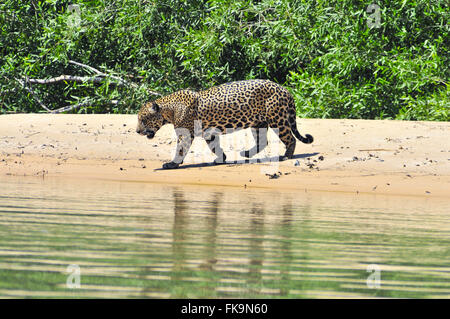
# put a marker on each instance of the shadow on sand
(271, 159)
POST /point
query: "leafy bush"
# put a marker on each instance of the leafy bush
(332, 55)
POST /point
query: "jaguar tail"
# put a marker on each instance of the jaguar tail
(307, 139)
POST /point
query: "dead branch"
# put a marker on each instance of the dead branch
(78, 105)
(86, 67)
(99, 77)
(69, 78)
(120, 80)
(100, 73)
(23, 83)
(29, 90)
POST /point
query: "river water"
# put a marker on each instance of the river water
(70, 238)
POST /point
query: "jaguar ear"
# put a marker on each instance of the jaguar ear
(155, 107)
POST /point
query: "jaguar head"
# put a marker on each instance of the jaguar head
(150, 119)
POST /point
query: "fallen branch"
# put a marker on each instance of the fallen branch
(69, 78)
(86, 67)
(99, 77)
(78, 105)
(100, 73)
(81, 79)
(62, 109)
(74, 78)
(29, 90)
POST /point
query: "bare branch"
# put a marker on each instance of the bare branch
(154, 93)
(71, 78)
(99, 77)
(71, 107)
(78, 105)
(29, 90)
(82, 79)
(120, 80)
(86, 67)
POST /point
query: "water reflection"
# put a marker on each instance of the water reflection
(144, 240)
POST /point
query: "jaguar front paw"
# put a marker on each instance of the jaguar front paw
(170, 165)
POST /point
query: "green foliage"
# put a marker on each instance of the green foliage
(332, 57)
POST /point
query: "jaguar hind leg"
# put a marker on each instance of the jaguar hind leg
(284, 132)
(289, 141)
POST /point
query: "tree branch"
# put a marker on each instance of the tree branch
(29, 90)
(78, 105)
(72, 78)
(99, 77)
(95, 79)
(86, 67)
(100, 73)
(120, 80)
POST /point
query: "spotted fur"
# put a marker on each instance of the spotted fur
(252, 104)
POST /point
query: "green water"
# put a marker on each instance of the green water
(133, 240)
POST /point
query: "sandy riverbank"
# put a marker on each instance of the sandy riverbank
(357, 156)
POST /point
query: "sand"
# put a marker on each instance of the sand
(353, 156)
